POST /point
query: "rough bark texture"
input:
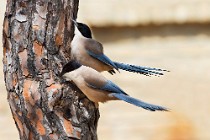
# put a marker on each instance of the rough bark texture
(36, 40)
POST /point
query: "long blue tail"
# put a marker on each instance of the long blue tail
(138, 103)
(139, 69)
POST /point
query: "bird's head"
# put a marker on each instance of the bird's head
(69, 67)
(81, 28)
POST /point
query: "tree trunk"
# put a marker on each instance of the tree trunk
(36, 40)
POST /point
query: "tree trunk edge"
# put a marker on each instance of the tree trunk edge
(43, 106)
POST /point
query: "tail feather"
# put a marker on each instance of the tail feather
(139, 69)
(139, 103)
(148, 68)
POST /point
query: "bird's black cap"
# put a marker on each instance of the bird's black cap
(84, 29)
(70, 66)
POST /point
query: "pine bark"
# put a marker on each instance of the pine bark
(36, 44)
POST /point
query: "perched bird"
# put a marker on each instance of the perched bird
(89, 52)
(97, 88)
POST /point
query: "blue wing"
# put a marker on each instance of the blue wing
(139, 103)
(103, 58)
(120, 94)
(139, 69)
(108, 86)
(111, 87)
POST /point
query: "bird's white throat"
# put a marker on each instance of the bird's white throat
(76, 31)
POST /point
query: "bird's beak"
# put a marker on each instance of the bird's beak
(61, 74)
(75, 23)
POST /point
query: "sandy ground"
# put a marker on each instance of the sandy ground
(185, 90)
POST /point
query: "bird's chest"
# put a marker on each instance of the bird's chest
(77, 49)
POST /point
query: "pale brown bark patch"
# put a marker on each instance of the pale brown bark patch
(60, 31)
(26, 92)
(50, 81)
(23, 56)
(35, 27)
(41, 9)
(15, 80)
(19, 124)
(35, 91)
(37, 48)
(6, 27)
(39, 22)
(58, 40)
(53, 136)
(68, 127)
(53, 88)
(39, 124)
(30, 135)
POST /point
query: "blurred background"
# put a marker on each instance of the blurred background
(173, 35)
